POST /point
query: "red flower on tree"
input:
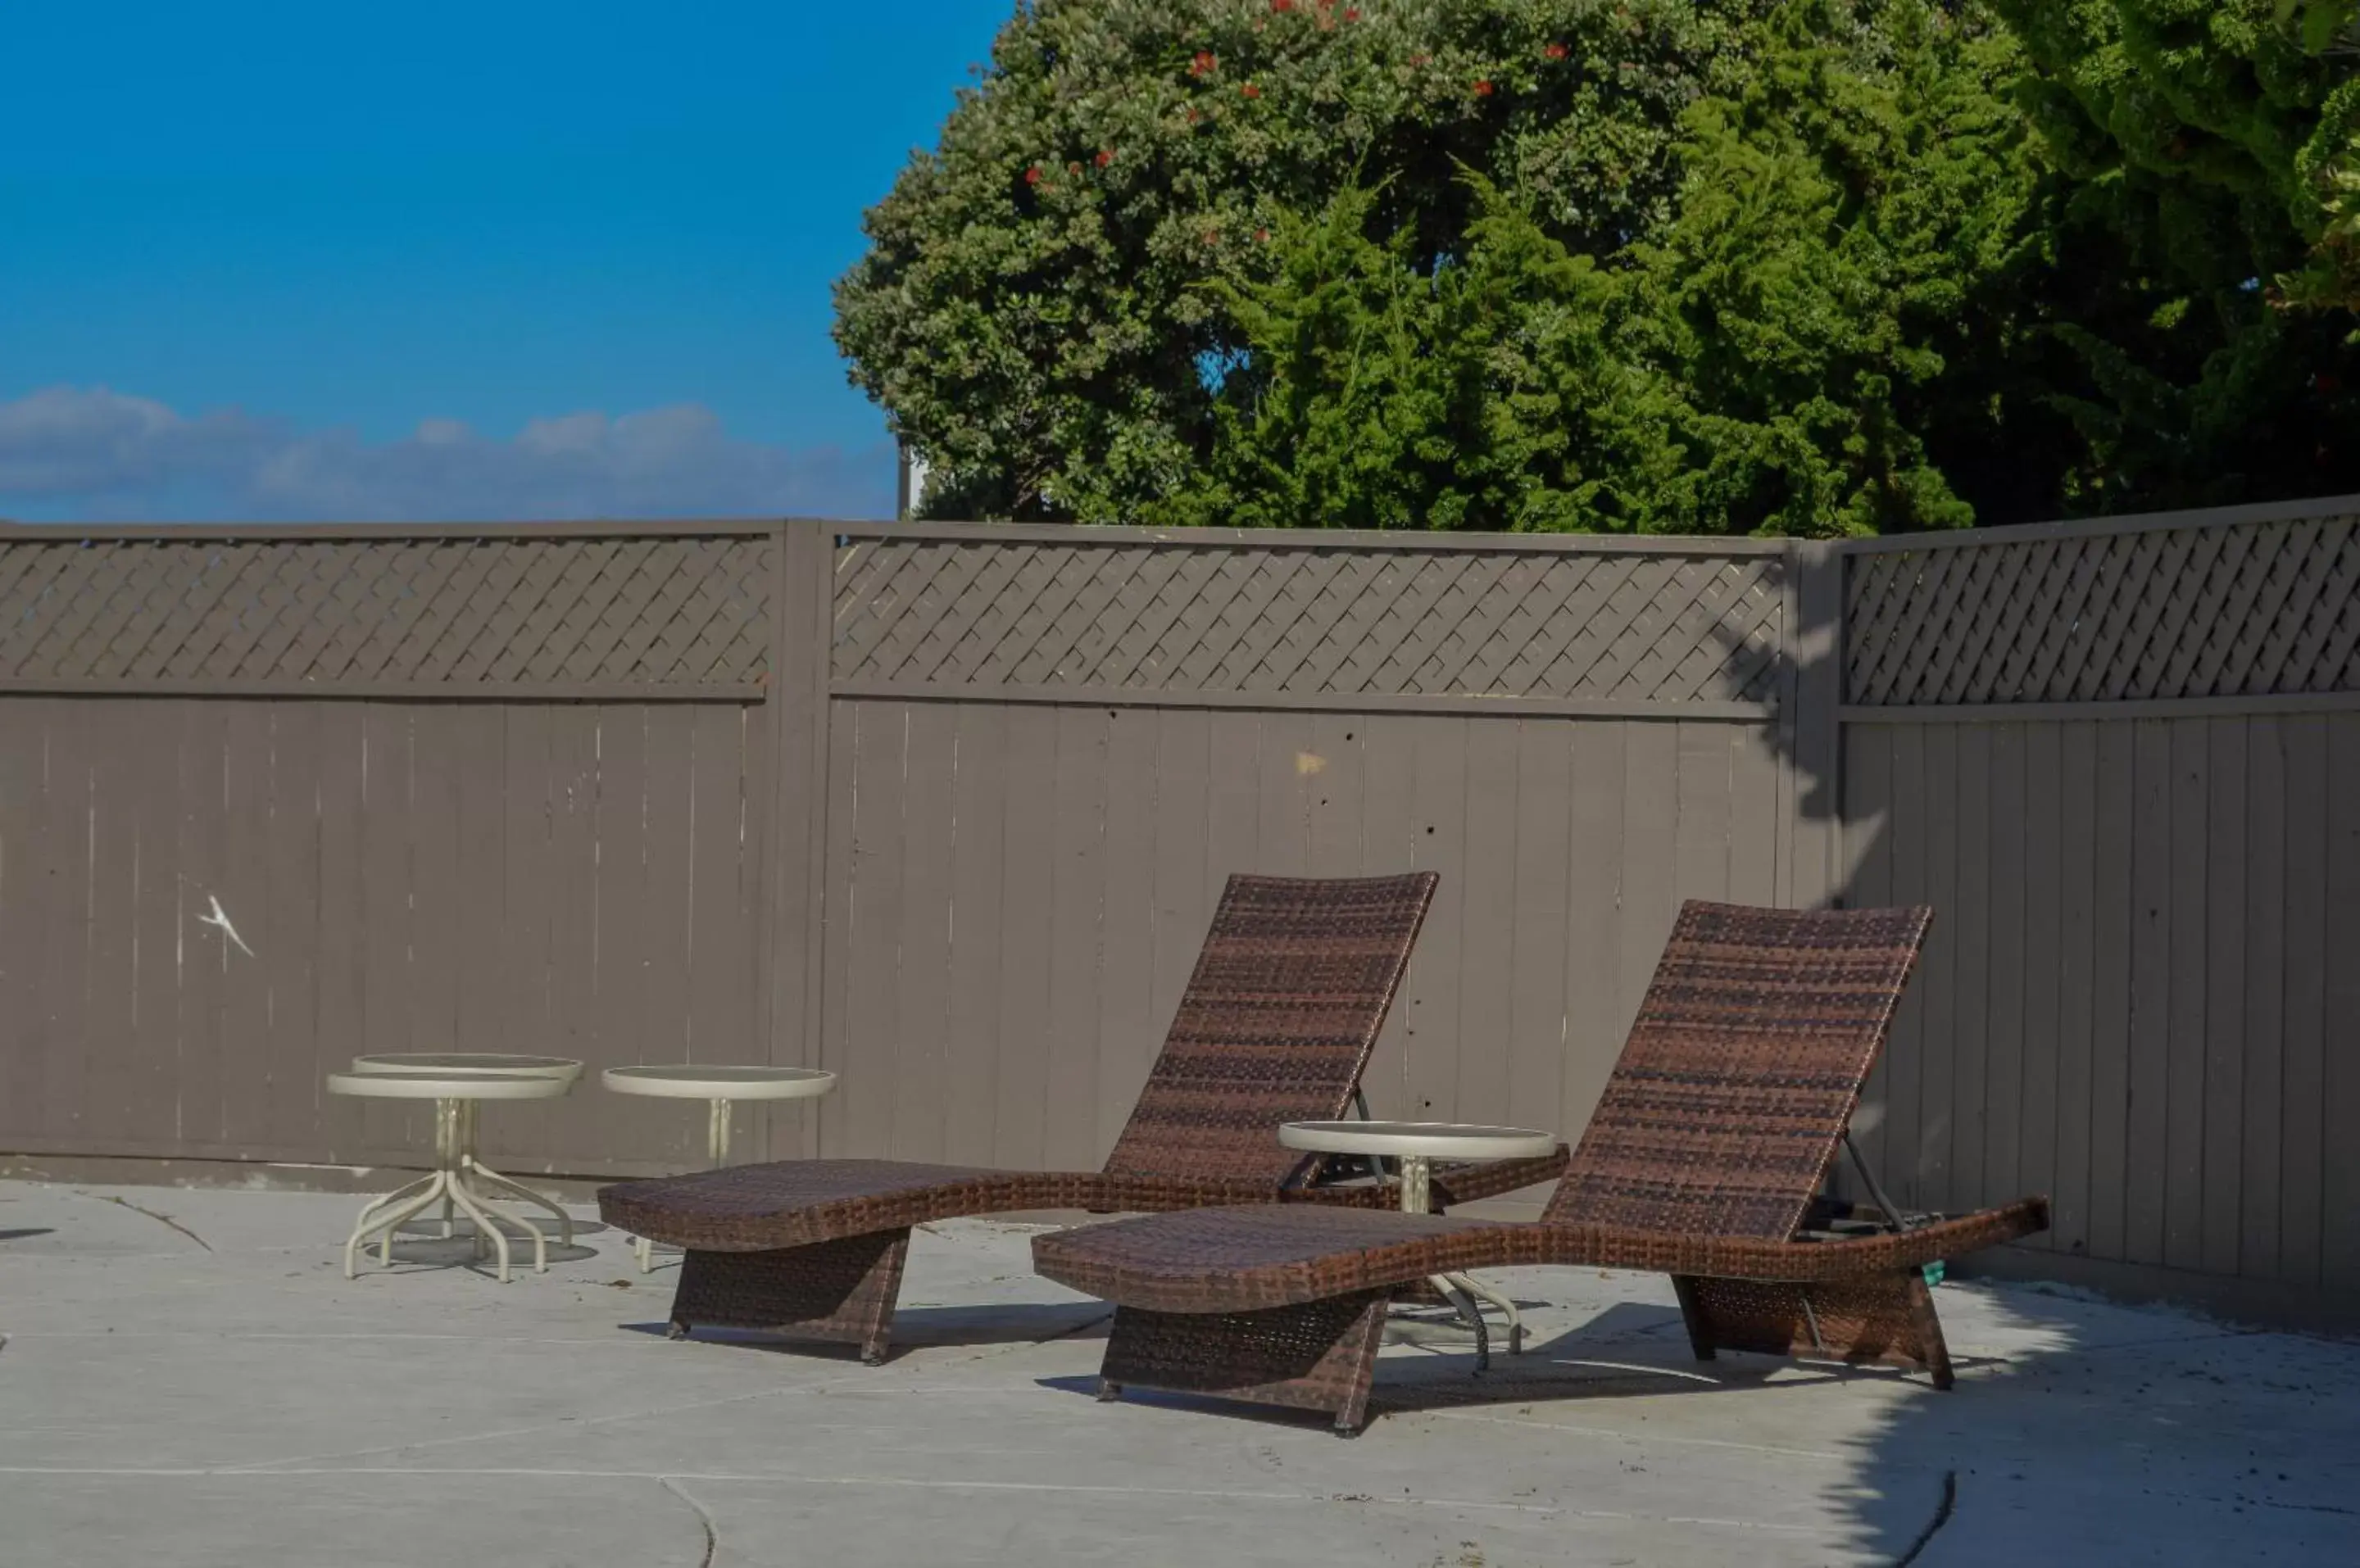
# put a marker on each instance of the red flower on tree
(1351, 13)
(1106, 156)
(1554, 52)
(1281, 5)
(1032, 175)
(1073, 168)
(1250, 91)
(1205, 64)
(1482, 88)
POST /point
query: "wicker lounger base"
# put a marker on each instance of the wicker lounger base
(814, 1250)
(1322, 1355)
(1265, 1306)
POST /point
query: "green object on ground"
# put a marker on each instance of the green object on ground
(1933, 1272)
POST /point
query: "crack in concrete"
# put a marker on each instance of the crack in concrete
(1942, 1517)
(135, 1208)
(712, 1531)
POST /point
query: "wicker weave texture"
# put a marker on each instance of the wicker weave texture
(1741, 1070)
(1714, 1133)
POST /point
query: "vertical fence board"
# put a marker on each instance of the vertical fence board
(2302, 1170)
(971, 1032)
(251, 1067)
(1974, 970)
(1390, 845)
(2149, 1170)
(1184, 880)
(436, 886)
(2040, 888)
(2115, 931)
(922, 943)
(1026, 945)
(1538, 1036)
(342, 1000)
(1869, 883)
(2263, 1028)
(2340, 1096)
(111, 1055)
(1593, 888)
(2077, 981)
(295, 924)
(872, 1040)
(2184, 1086)
(668, 833)
(2227, 918)
(1127, 1030)
(27, 841)
(1439, 830)
(1078, 896)
(1487, 946)
(1939, 1111)
(1905, 1051)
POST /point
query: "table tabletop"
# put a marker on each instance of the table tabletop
(468, 1063)
(1449, 1140)
(449, 1085)
(719, 1081)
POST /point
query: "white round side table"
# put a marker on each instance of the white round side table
(458, 1178)
(718, 1084)
(472, 1064)
(1417, 1145)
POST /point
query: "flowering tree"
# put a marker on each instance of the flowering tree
(1032, 312)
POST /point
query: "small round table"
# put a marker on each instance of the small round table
(458, 1178)
(718, 1084)
(1416, 1145)
(472, 1064)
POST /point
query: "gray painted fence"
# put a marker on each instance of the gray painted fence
(946, 809)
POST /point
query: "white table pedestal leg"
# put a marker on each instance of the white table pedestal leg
(1462, 1291)
(462, 1184)
(717, 1154)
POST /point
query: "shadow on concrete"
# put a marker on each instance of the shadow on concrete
(932, 1328)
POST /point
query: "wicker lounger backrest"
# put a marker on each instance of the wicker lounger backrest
(1741, 1070)
(1278, 1021)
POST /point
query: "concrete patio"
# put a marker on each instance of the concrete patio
(189, 1380)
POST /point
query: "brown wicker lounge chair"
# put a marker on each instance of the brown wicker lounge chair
(1275, 1025)
(1701, 1162)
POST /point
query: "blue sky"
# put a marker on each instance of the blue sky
(502, 259)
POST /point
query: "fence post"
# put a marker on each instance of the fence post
(795, 864)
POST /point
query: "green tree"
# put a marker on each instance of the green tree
(2205, 231)
(1831, 317)
(1029, 311)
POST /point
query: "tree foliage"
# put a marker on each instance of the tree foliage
(2205, 146)
(1030, 309)
(1696, 266)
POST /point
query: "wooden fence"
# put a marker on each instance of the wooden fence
(945, 807)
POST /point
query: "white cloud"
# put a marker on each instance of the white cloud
(76, 454)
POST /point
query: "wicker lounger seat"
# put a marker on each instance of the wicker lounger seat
(1706, 1147)
(1275, 1025)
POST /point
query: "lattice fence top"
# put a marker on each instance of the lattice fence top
(2244, 610)
(679, 610)
(1248, 619)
